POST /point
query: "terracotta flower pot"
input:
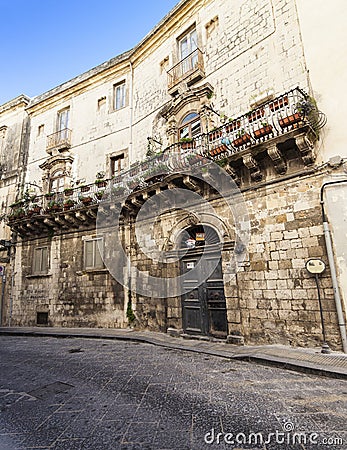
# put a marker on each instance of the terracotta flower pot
(289, 120)
(244, 139)
(264, 131)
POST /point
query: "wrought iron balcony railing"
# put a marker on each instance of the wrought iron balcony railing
(59, 140)
(288, 113)
(190, 68)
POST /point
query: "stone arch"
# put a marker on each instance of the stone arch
(225, 232)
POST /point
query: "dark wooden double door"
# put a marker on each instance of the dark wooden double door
(203, 301)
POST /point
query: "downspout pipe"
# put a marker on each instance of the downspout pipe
(131, 115)
(329, 247)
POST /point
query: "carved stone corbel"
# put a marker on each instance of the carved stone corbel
(253, 167)
(234, 175)
(277, 159)
(191, 184)
(305, 145)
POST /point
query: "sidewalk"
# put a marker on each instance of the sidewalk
(300, 359)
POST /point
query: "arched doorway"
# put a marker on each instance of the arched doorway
(203, 302)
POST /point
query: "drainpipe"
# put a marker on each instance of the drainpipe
(329, 247)
(131, 104)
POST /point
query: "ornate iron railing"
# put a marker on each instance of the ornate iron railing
(191, 63)
(285, 113)
(60, 139)
(274, 118)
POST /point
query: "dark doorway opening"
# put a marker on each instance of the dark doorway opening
(203, 302)
(42, 318)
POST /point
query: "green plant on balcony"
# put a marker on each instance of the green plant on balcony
(68, 192)
(187, 143)
(34, 209)
(85, 199)
(17, 214)
(242, 138)
(100, 180)
(53, 206)
(264, 130)
(99, 194)
(49, 195)
(84, 188)
(68, 204)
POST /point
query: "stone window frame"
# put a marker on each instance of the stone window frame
(117, 155)
(41, 260)
(54, 177)
(119, 85)
(97, 258)
(188, 124)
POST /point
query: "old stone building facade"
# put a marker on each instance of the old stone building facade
(179, 185)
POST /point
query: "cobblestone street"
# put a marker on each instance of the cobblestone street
(104, 395)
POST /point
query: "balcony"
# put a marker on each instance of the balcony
(286, 123)
(59, 141)
(190, 69)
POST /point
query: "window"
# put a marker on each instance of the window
(116, 164)
(57, 181)
(40, 130)
(92, 255)
(40, 263)
(190, 126)
(3, 130)
(188, 54)
(101, 103)
(63, 124)
(119, 95)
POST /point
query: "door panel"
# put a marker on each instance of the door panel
(203, 304)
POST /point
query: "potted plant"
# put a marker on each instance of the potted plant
(34, 209)
(263, 131)
(84, 188)
(86, 200)
(68, 192)
(68, 204)
(53, 206)
(187, 143)
(100, 181)
(99, 194)
(49, 195)
(219, 149)
(242, 138)
(291, 119)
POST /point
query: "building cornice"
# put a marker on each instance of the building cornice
(21, 100)
(170, 22)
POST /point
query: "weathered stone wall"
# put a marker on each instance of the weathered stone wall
(272, 298)
(70, 294)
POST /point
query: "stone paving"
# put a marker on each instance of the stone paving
(101, 394)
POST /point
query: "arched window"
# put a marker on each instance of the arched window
(57, 181)
(190, 126)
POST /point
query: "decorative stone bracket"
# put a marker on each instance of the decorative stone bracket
(253, 167)
(277, 159)
(305, 144)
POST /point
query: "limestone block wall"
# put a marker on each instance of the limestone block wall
(272, 298)
(70, 294)
(278, 298)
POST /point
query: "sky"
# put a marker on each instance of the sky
(47, 42)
